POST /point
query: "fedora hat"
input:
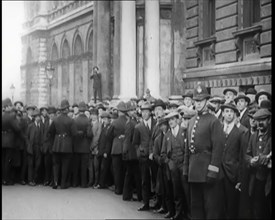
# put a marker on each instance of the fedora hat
(21, 103)
(230, 90)
(251, 91)
(105, 115)
(101, 106)
(31, 107)
(36, 112)
(52, 110)
(6, 102)
(162, 121)
(262, 114)
(64, 104)
(200, 93)
(231, 106)
(82, 107)
(44, 107)
(159, 102)
(242, 96)
(217, 98)
(262, 92)
(188, 94)
(146, 105)
(121, 106)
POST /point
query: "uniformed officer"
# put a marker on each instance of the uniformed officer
(202, 165)
(63, 129)
(258, 157)
(10, 129)
(81, 147)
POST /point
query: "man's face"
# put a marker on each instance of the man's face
(75, 110)
(94, 117)
(18, 106)
(252, 122)
(187, 101)
(173, 109)
(30, 111)
(251, 97)
(51, 116)
(228, 115)
(100, 110)
(184, 122)
(44, 112)
(164, 127)
(70, 114)
(159, 111)
(87, 113)
(37, 118)
(199, 105)
(261, 98)
(95, 70)
(173, 122)
(241, 104)
(263, 124)
(229, 96)
(145, 114)
(216, 105)
(106, 121)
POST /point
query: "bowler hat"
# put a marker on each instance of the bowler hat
(230, 105)
(262, 114)
(172, 115)
(21, 103)
(44, 107)
(266, 104)
(251, 91)
(82, 107)
(200, 93)
(94, 111)
(52, 110)
(162, 121)
(217, 98)
(146, 105)
(6, 102)
(188, 94)
(173, 104)
(122, 107)
(231, 90)
(131, 105)
(242, 96)
(159, 102)
(75, 105)
(64, 104)
(262, 92)
(105, 115)
(100, 105)
(31, 107)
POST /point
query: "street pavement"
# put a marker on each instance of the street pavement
(40, 202)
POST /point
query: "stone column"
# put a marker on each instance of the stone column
(152, 53)
(85, 79)
(128, 50)
(71, 79)
(59, 75)
(95, 33)
(103, 45)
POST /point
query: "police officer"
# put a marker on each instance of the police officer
(63, 129)
(81, 147)
(258, 157)
(202, 165)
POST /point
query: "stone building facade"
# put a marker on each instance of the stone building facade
(166, 46)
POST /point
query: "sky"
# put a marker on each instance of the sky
(12, 20)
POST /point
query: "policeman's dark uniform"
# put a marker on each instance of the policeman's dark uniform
(81, 147)
(205, 139)
(10, 129)
(260, 174)
(132, 174)
(63, 129)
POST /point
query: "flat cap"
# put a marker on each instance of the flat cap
(262, 113)
(105, 115)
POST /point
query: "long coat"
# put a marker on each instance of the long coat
(84, 134)
(105, 140)
(33, 132)
(142, 138)
(209, 141)
(245, 119)
(63, 129)
(118, 130)
(129, 150)
(96, 129)
(10, 129)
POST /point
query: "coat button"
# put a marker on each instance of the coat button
(260, 147)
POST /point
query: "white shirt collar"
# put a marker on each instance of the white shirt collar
(230, 127)
(243, 111)
(148, 122)
(218, 113)
(175, 130)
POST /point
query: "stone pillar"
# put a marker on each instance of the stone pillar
(59, 75)
(85, 65)
(152, 53)
(95, 32)
(71, 79)
(116, 50)
(103, 45)
(128, 50)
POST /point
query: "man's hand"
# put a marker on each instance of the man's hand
(105, 155)
(151, 156)
(254, 161)
(238, 186)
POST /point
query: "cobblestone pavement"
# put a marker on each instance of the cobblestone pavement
(40, 202)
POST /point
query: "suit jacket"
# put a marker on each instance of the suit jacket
(142, 138)
(155, 132)
(209, 140)
(84, 134)
(10, 129)
(63, 129)
(118, 133)
(129, 150)
(258, 146)
(34, 133)
(105, 140)
(96, 129)
(97, 80)
(47, 139)
(232, 155)
(158, 143)
(166, 150)
(245, 119)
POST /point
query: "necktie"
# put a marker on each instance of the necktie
(148, 126)
(226, 129)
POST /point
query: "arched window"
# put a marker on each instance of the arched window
(54, 55)
(65, 50)
(90, 42)
(78, 48)
(65, 53)
(29, 56)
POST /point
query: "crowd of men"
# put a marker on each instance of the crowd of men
(205, 157)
